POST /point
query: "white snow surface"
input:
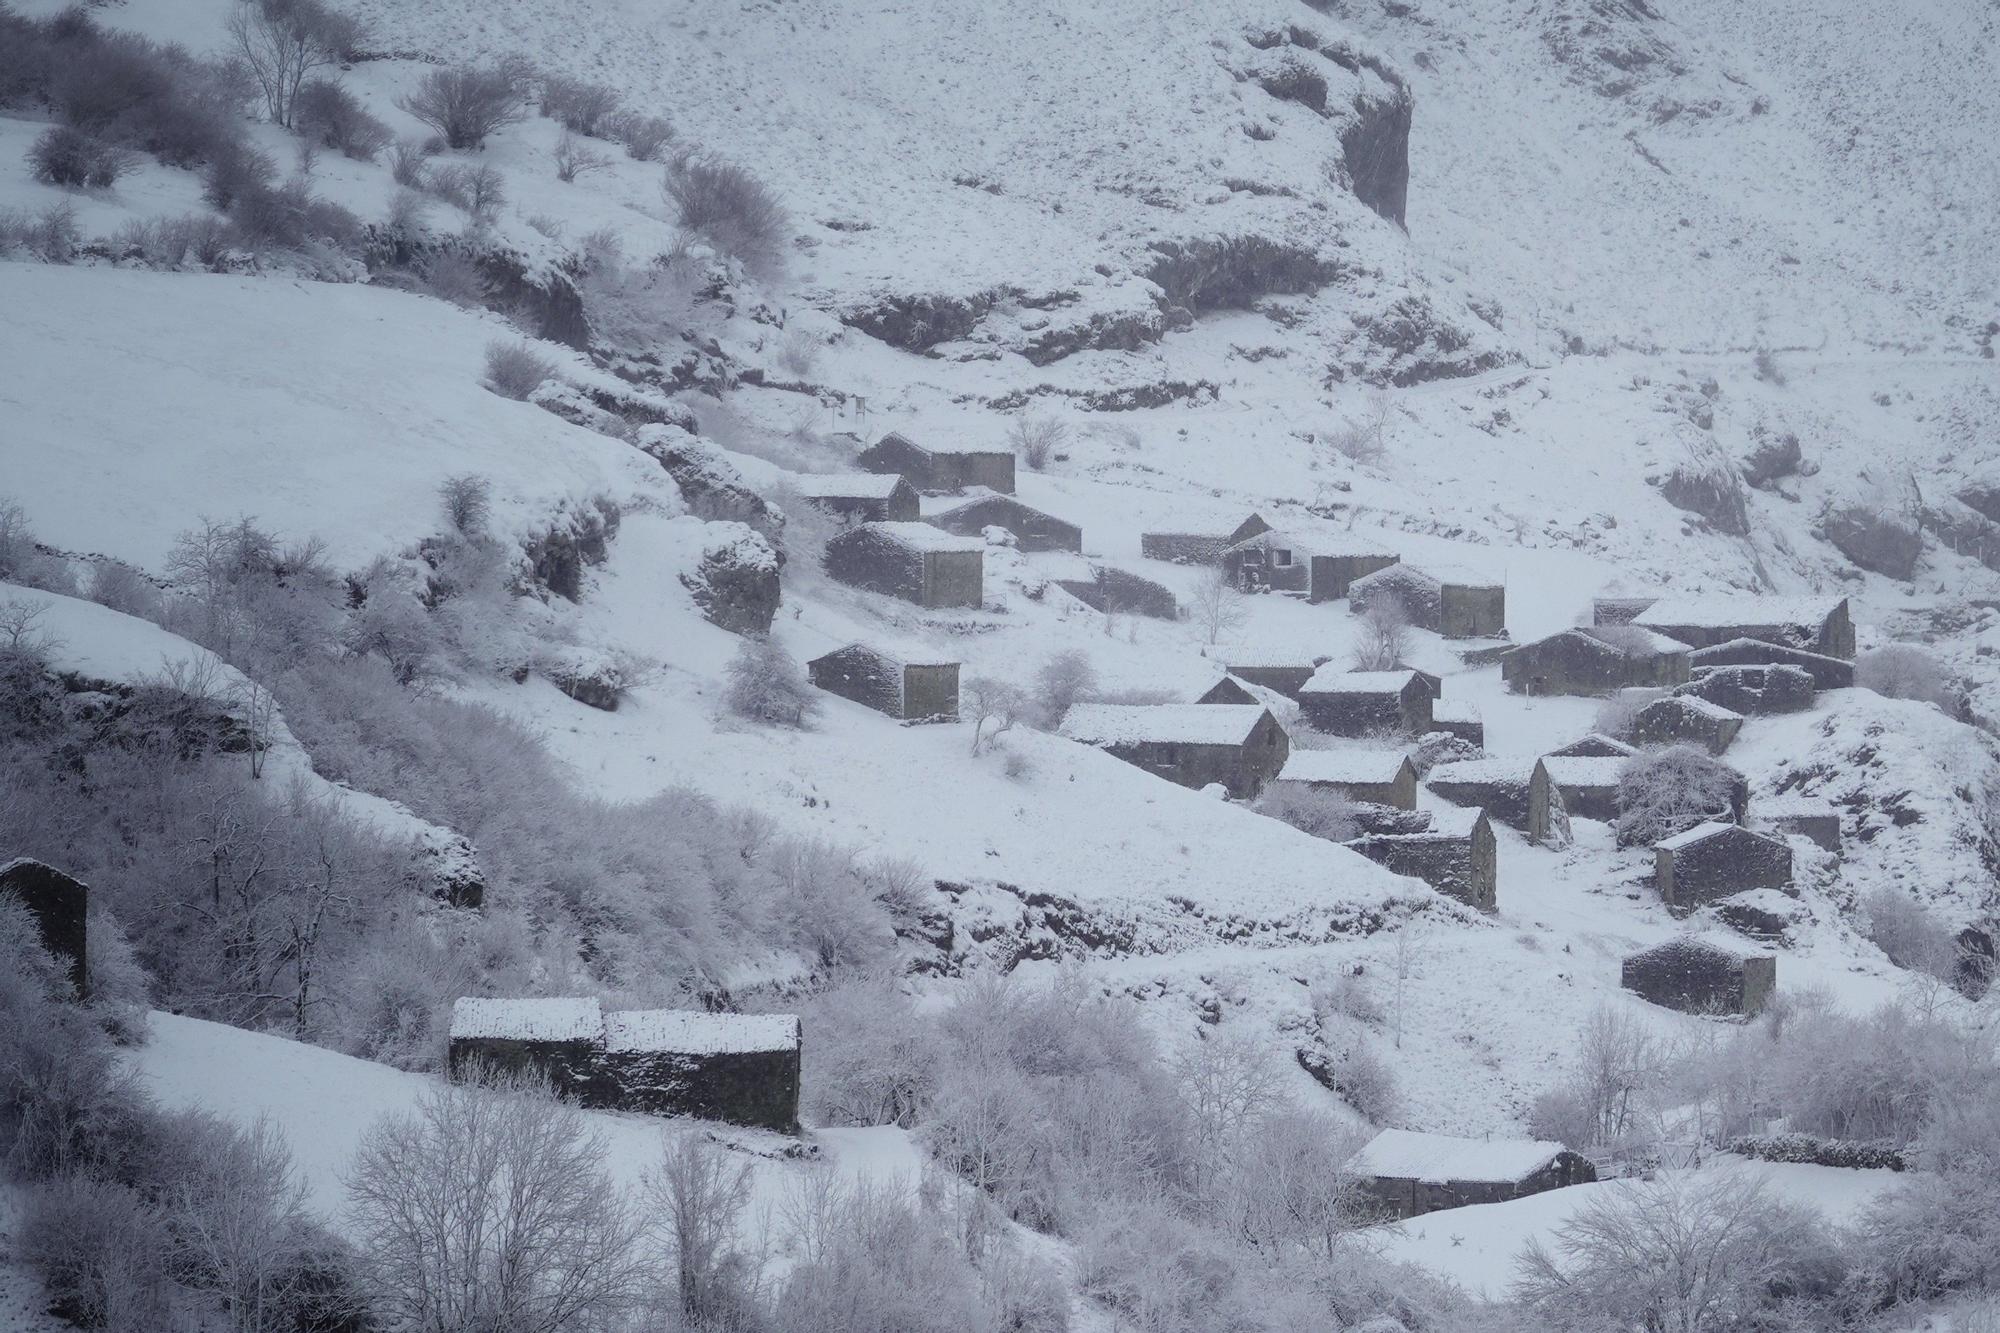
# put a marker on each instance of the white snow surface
(694, 1032)
(1402, 1154)
(527, 1018)
(1332, 678)
(1723, 611)
(1357, 766)
(1570, 770)
(1185, 724)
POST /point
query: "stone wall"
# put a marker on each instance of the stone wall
(1718, 867)
(1462, 867)
(1699, 978)
(755, 1088)
(61, 908)
(1753, 690)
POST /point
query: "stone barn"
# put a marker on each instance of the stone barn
(1815, 624)
(1119, 592)
(1713, 860)
(1456, 603)
(1358, 703)
(1498, 786)
(558, 1039)
(1754, 691)
(1199, 548)
(1595, 745)
(1457, 718)
(1402, 1173)
(1618, 610)
(936, 471)
(863, 497)
(1581, 787)
(1383, 777)
(60, 906)
(1455, 854)
(913, 689)
(1033, 530)
(1228, 690)
(1240, 746)
(1681, 717)
(1285, 673)
(1828, 673)
(1700, 976)
(913, 561)
(1813, 820)
(1592, 661)
(1321, 568)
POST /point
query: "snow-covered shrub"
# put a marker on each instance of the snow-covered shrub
(515, 370)
(1618, 716)
(1382, 636)
(767, 684)
(327, 113)
(873, 1059)
(409, 163)
(1939, 1230)
(1607, 1093)
(235, 174)
(575, 158)
(578, 105)
(736, 584)
(1365, 1081)
(467, 500)
(127, 90)
(465, 103)
(1812, 1150)
(727, 206)
(1322, 813)
(103, 1254)
(1064, 680)
(50, 235)
(1874, 540)
(282, 42)
(1909, 934)
(1905, 671)
(643, 136)
(452, 276)
(63, 156)
(1036, 438)
(21, 560)
(1671, 789)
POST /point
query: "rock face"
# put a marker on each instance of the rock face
(445, 865)
(736, 584)
(709, 482)
(1375, 149)
(1234, 272)
(576, 539)
(917, 323)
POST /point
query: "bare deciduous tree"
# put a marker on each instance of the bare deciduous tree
(466, 103)
(1382, 639)
(575, 158)
(995, 702)
(701, 1195)
(282, 42)
(1036, 438)
(1217, 607)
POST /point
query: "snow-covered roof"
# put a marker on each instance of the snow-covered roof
(922, 537)
(1573, 770)
(694, 1032)
(1599, 739)
(1631, 638)
(1452, 821)
(1703, 944)
(850, 485)
(1764, 647)
(1480, 771)
(1371, 767)
(953, 504)
(1722, 610)
(1317, 543)
(1332, 678)
(892, 656)
(1698, 834)
(562, 1018)
(895, 436)
(1402, 1154)
(1177, 724)
(1693, 703)
(1454, 710)
(1255, 656)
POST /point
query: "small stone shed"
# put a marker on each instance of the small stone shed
(60, 906)
(1356, 703)
(1033, 529)
(1595, 745)
(1287, 673)
(1120, 592)
(1455, 717)
(1813, 820)
(1240, 746)
(1682, 717)
(1815, 624)
(1701, 976)
(936, 470)
(1199, 548)
(1619, 609)
(1457, 603)
(910, 688)
(863, 497)
(913, 561)
(1581, 787)
(741, 1068)
(1381, 776)
(1754, 691)
(1455, 854)
(1594, 661)
(1320, 567)
(1714, 860)
(1498, 786)
(1405, 1174)
(1828, 673)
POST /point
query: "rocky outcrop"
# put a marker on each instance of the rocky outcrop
(1874, 540)
(1712, 492)
(545, 294)
(579, 537)
(709, 482)
(444, 865)
(1233, 272)
(1410, 343)
(1117, 331)
(1772, 459)
(736, 583)
(1375, 152)
(917, 323)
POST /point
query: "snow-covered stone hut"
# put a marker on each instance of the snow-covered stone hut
(1383, 777)
(60, 906)
(913, 561)
(1594, 661)
(1120, 592)
(1033, 530)
(1753, 691)
(938, 469)
(1828, 673)
(1287, 673)
(1456, 603)
(1701, 976)
(863, 497)
(1322, 567)
(1407, 1174)
(1498, 786)
(1683, 717)
(910, 688)
(1577, 786)
(1714, 860)
(1595, 745)
(1815, 624)
(1810, 819)
(1240, 746)
(1454, 854)
(1199, 548)
(1456, 717)
(554, 1038)
(1356, 703)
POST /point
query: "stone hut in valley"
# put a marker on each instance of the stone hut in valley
(936, 470)
(1821, 625)
(1405, 1174)
(1454, 853)
(1287, 673)
(913, 561)
(1574, 787)
(1199, 548)
(1498, 786)
(1701, 976)
(1813, 820)
(1321, 568)
(1033, 530)
(1712, 861)
(60, 906)
(559, 1039)
(863, 497)
(1456, 603)
(1240, 746)
(912, 689)
(1619, 610)
(1119, 592)
(1754, 691)
(1828, 673)
(1682, 717)
(1595, 745)
(1458, 718)
(1593, 661)
(1383, 777)
(1358, 703)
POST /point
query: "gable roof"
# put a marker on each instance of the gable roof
(895, 439)
(563, 1018)
(1597, 744)
(886, 656)
(1402, 1154)
(1170, 724)
(696, 1032)
(850, 485)
(989, 498)
(1692, 703)
(1331, 678)
(1571, 770)
(1481, 771)
(1765, 648)
(1329, 543)
(920, 537)
(1708, 832)
(1454, 710)
(1724, 610)
(1370, 767)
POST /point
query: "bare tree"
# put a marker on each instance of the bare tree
(1408, 953)
(1217, 607)
(260, 723)
(575, 158)
(282, 42)
(991, 701)
(1064, 680)
(238, 1221)
(468, 501)
(466, 103)
(701, 1195)
(1383, 637)
(1035, 438)
(1228, 1082)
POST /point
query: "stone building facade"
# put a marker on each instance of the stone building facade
(1821, 625)
(1361, 703)
(1565, 787)
(1033, 530)
(1497, 786)
(913, 561)
(1455, 603)
(1828, 673)
(910, 689)
(1698, 976)
(1405, 1174)
(1382, 777)
(1119, 592)
(1199, 548)
(1239, 746)
(936, 470)
(60, 906)
(1683, 718)
(1595, 662)
(1712, 861)
(1754, 691)
(863, 497)
(1321, 568)
(1455, 854)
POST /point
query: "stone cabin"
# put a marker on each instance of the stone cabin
(1618, 610)
(1357, 703)
(1571, 786)
(1287, 674)
(863, 497)
(1681, 717)
(1240, 746)
(1455, 717)
(1405, 1174)
(1383, 777)
(1593, 661)
(1455, 603)
(60, 906)
(1754, 691)
(1701, 976)
(1033, 530)
(1228, 690)
(1455, 854)
(913, 561)
(912, 689)
(1815, 624)
(1498, 786)
(1119, 592)
(1321, 567)
(1828, 673)
(1714, 860)
(935, 471)
(740, 1068)
(1816, 821)
(1199, 548)
(1595, 745)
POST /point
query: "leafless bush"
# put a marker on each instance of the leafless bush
(643, 136)
(766, 684)
(1764, 363)
(1036, 438)
(1912, 938)
(409, 163)
(579, 106)
(1607, 1093)
(1348, 996)
(798, 351)
(1382, 638)
(119, 586)
(993, 706)
(1063, 681)
(63, 156)
(1669, 790)
(726, 205)
(468, 501)
(236, 175)
(50, 235)
(467, 103)
(1322, 813)
(327, 113)
(1363, 442)
(515, 370)
(1905, 671)
(1217, 606)
(1618, 716)
(575, 158)
(408, 213)
(700, 1195)
(281, 43)
(101, 1252)
(451, 276)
